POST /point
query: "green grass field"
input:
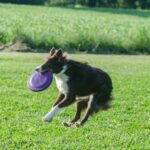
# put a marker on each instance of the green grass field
(125, 126)
(82, 29)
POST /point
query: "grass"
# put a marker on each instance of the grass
(91, 30)
(125, 126)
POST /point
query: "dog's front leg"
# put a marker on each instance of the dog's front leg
(60, 97)
(54, 110)
(67, 100)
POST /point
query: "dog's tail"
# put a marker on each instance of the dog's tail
(104, 99)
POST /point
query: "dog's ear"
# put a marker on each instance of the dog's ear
(59, 53)
(52, 51)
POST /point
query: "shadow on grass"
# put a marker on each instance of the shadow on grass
(88, 45)
(36, 46)
(101, 48)
(25, 43)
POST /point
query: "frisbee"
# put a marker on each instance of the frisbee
(40, 81)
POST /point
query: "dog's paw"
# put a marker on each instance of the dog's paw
(45, 119)
(78, 124)
(67, 124)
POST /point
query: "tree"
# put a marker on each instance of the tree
(92, 3)
(73, 2)
(143, 3)
(131, 3)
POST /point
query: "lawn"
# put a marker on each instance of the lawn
(125, 126)
(97, 30)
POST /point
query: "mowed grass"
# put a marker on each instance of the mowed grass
(125, 126)
(91, 30)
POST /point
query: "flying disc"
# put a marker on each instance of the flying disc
(40, 81)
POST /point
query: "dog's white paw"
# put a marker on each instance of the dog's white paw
(46, 119)
(78, 124)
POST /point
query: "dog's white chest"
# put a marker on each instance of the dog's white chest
(61, 82)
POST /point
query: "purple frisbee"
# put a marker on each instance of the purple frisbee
(40, 81)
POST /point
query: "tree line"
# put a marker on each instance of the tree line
(90, 3)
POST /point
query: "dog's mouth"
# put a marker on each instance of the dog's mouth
(41, 69)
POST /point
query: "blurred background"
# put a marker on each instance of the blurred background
(90, 3)
(89, 26)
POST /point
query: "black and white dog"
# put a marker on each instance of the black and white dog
(89, 87)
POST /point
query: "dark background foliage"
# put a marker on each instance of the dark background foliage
(91, 3)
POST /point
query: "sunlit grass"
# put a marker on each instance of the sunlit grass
(125, 126)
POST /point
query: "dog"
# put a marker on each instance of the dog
(89, 87)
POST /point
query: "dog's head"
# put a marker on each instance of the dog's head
(55, 61)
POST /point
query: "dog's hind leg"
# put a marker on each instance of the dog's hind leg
(97, 102)
(80, 105)
(89, 111)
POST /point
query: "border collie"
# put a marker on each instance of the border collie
(89, 87)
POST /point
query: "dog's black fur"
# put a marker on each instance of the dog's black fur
(84, 80)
